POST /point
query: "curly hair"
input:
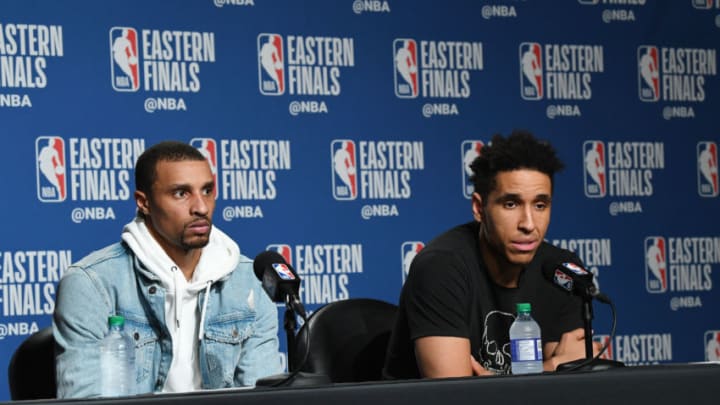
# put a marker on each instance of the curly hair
(520, 150)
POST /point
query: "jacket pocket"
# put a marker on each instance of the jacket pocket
(146, 345)
(224, 337)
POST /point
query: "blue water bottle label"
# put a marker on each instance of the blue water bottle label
(526, 350)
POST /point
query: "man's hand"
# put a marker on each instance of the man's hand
(571, 347)
(477, 369)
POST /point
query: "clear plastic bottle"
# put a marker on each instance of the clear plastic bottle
(117, 360)
(525, 343)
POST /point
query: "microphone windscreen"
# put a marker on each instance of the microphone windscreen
(551, 264)
(265, 259)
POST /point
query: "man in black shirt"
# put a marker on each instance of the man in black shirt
(459, 299)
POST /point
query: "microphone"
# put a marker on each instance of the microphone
(279, 280)
(572, 278)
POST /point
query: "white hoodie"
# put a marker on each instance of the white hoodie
(219, 258)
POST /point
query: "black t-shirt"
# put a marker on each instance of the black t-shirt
(449, 293)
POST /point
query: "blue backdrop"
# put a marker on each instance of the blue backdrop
(340, 132)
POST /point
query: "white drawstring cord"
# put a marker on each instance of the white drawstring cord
(201, 330)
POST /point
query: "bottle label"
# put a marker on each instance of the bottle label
(526, 349)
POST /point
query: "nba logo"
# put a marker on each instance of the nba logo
(406, 68)
(124, 70)
(344, 181)
(648, 73)
(712, 345)
(50, 168)
(531, 74)
(408, 251)
(563, 280)
(604, 340)
(707, 157)
(282, 270)
(282, 250)
(208, 148)
(655, 265)
(702, 4)
(594, 157)
(271, 69)
(470, 150)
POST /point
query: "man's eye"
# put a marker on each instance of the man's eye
(510, 204)
(179, 193)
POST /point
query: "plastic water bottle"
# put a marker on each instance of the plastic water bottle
(525, 343)
(117, 360)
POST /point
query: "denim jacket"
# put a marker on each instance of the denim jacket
(239, 344)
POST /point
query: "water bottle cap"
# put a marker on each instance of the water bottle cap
(523, 307)
(116, 320)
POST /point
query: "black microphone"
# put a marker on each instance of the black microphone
(279, 280)
(572, 278)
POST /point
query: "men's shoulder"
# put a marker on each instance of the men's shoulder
(548, 252)
(453, 251)
(102, 256)
(459, 238)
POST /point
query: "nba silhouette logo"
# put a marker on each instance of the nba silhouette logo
(271, 69)
(702, 4)
(282, 250)
(648, 73)
(595, 180)
(408, 251)
(655, 265)
(50, 168)
(563, 280)
(124, 68)
(283, 271)
(604, 340)
(712, 345)
(406, 68)
(707, 158)
(531, 74)
(208, 148)
(470, 150)
(344, 183)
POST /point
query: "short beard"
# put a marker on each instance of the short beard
(196, 245)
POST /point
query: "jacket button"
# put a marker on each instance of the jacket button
(136, 336)
(234, 332)
(152, 290)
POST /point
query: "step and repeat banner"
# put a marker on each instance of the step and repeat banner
(340, 133)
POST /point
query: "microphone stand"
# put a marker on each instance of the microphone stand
(295, 377)
(589, 363)
(290, 323)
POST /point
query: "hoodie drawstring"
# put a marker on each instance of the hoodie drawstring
(178, 299)
(201, 329)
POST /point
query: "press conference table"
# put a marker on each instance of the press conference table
(666, 384)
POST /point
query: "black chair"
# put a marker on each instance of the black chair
(31, 373)
(347, 340)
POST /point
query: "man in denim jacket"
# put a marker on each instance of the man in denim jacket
(197, 314)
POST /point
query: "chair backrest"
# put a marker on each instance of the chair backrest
(348, 340)
(31, 373)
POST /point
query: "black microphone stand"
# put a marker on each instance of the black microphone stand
(589, 363)
(290, 324)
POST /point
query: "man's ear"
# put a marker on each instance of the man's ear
(477, 207)
(142, 202)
